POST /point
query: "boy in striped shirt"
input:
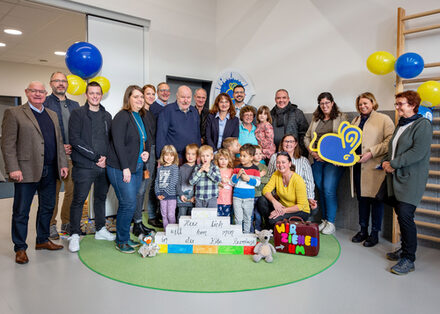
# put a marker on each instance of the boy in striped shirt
(245, 178)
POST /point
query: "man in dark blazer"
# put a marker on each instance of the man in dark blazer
(34, 155)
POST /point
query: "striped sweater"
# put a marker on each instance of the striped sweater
(166, 181)
(244, 189)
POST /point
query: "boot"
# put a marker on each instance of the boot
(137, 228)
(147, 231)
(372, 240)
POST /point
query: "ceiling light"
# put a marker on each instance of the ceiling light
(2, 44)
(60, 53)
(11, 31)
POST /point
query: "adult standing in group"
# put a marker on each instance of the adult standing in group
(246, 130)
(35, 157)
(238, 94)
(163, 94)
(289, 144)
(288, 119)
(377, 129)
(200, 97)
(326, 119)
(178, 124)
(145, 190)
(63, 106)
(221, 122)
(129, 150)
(291, 195)
(89, 135)
(407, 166)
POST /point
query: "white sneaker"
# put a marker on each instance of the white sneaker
(329, 228)
(322, 224)
(73, 243)
(104, 234)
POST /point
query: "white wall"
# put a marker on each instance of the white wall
(15, 78)
(311, 46)
(182, 35)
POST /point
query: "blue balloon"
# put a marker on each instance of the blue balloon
(409, 65)
(83, 59)
(426, 112)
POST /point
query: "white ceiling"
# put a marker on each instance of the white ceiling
(45, 30)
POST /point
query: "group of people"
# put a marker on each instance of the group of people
(254, 165)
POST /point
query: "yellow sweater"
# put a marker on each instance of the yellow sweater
(294, 194)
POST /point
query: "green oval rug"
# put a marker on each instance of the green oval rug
(205, 273)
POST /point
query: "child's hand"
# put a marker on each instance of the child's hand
(241, 172)
(160, 197)
(245, 177)
(205, 167)
(193, 199)
(221, 185)
(263, 173)
(183, 198)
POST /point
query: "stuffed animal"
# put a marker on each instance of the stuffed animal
(263, 249)
(148, 248)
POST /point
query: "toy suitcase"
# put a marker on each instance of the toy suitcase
(294, 236)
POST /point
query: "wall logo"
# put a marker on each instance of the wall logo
(227, 80)
(339, 149)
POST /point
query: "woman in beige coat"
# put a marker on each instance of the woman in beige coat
(366, 176)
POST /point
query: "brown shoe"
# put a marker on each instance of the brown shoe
(21, 257)
(49, 245)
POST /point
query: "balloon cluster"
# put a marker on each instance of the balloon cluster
(84, 61)
(408, 65)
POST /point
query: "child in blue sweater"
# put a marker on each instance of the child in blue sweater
(165, 185)
(245, 178)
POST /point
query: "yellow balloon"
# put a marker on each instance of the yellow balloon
(381, 62)
(101, 80)
(77, 85)
(429, 93)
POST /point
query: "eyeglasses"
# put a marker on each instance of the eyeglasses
(398, 104)
(164, 90)
(289, 141)
(325, 103)
(36, 91)
(59, 81)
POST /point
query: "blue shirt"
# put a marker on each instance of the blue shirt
(35, 108)
(246, 137)
(142, 133)
(221, 128)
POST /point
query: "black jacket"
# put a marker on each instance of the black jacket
(212, 129)
(124, 143)
(80, 136)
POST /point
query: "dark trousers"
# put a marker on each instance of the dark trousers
(265, 208)
(23, 196)
(367, 205)
(83, 179)
(408, 231)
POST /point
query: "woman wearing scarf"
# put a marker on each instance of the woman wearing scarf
(407, 165)
(377, 129)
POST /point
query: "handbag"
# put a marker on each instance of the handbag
(294, 236)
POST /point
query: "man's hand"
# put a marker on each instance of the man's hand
(68, 149)
(64, 172)
(16, 176)
(101, 162)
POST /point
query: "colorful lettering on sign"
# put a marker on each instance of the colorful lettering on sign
(297, 242)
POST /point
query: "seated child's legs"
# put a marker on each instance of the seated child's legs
(223, 210)
(248, 208)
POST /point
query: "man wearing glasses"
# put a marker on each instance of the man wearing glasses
(163, 94)
(63, 106)
(239, 94)
(34, 155)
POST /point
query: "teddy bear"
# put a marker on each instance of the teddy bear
(148, 248)
(263, 249)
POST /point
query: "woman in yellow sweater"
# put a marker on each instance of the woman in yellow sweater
(291, 194)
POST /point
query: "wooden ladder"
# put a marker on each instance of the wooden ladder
(431, 198)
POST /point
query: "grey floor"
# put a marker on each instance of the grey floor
(359, 282)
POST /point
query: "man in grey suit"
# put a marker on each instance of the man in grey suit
(34, 155)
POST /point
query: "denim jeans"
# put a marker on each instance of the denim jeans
(327, 176)
(23, 196)
(144, 190)
(126, 194)
(256, 217)
(83, 179)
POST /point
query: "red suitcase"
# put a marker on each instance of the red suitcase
(294, 236)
